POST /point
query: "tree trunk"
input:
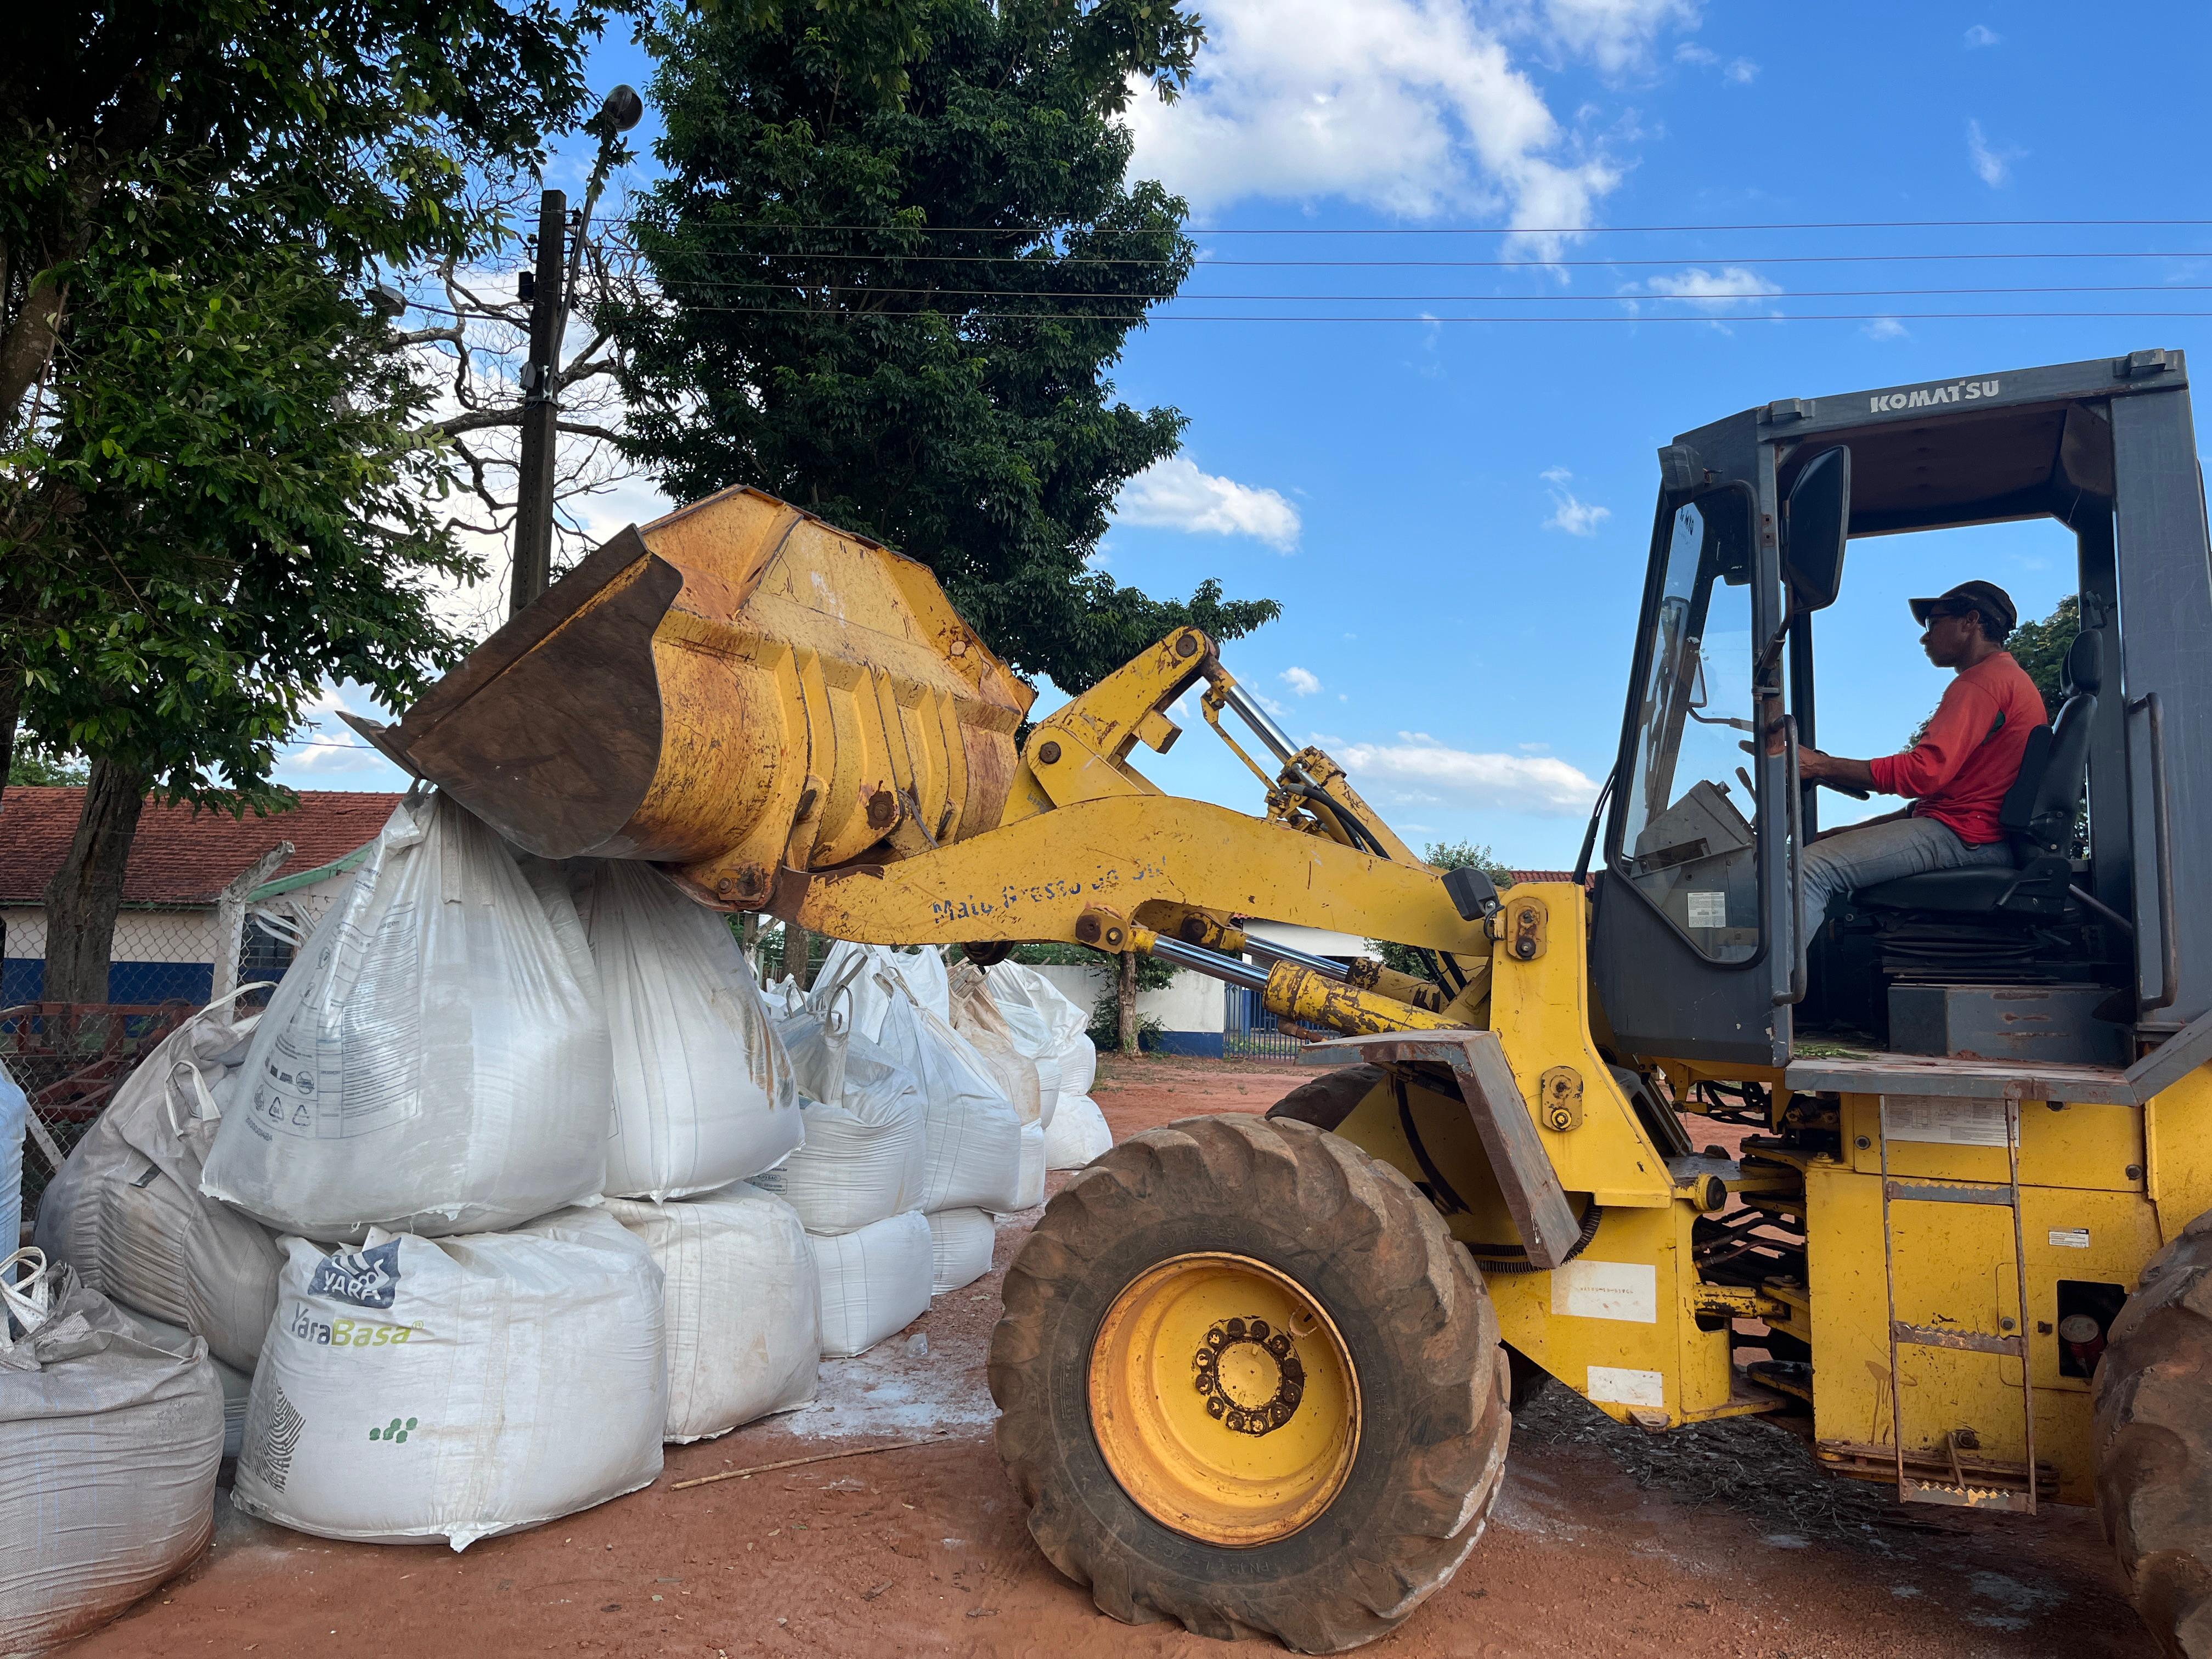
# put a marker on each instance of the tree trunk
(86, 892)
(1127, 1038)
(11, 708)
(798, 952)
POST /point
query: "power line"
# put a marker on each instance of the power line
(1459, 264)
(1500, 299)
(1454, 230)
(1051, 315)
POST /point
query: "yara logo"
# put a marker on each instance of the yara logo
(367, 1278)
(1927, 397)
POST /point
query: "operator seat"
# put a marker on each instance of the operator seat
(2038, 818)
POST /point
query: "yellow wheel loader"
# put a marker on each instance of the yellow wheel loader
(1256, 1375)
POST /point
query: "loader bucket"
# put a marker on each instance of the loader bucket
(726, 690)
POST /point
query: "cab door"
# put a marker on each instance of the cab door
(1684, 950)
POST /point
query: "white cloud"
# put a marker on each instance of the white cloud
(1174, 495)
(1569, 512)
(1575, 516)
(1884, 328)
(1617, 35)
(1742, 71)
(1412, 107)
(1991, 165)
(1300, 680)
(1982, 35)
(1731, 288)
(1418, 768)
(1273, 707)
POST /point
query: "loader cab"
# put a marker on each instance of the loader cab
(2070, 952)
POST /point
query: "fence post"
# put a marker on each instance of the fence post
(230, 916)
(1125, 1037)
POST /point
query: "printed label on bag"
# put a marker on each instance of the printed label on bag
(351, 1060)
(307, 1325)
(280, 1438)
(367, 1278)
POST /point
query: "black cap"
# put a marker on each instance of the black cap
(1993, 601)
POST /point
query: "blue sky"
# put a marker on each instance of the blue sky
(1454, 515)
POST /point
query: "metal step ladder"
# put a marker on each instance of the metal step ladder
(1975, 1482)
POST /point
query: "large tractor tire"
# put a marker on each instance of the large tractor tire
(1248, 1382)
(2154, 1393)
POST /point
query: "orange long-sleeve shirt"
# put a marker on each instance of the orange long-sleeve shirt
(1970, 755)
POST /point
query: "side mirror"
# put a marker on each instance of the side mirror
(1819, 524)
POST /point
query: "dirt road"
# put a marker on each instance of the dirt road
(1720, 1542)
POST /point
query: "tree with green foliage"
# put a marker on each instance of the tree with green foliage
(1443, 855)
(214, 495)
(2040, 648)
(893, 257)
(35, 765)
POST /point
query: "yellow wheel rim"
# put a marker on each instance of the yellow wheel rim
(1223, 1400)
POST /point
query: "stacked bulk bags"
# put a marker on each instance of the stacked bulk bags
(237, 1385)
(976, 1016)
(961, 1243)
(109, 1447)
(858, 1180)
(1076, 1132)
(126, 1210)
(703, 1093)
(865, 1157)
(873, 1281)
(420, 1388)
(436, 1060)
(742, 1306)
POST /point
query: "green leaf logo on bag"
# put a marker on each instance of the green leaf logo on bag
(367, 1278)
(396, 1431)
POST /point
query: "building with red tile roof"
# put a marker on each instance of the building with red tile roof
(181, 860)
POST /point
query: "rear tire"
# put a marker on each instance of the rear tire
(1411, 1313)
(2154, 1438)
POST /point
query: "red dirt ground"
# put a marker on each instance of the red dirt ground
(1715, 1542)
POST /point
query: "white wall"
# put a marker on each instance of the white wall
(1314, 941)
(1191, 1002)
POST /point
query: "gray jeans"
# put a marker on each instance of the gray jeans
(1859, 858)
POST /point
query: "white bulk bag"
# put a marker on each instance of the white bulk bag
(873, 1282)
(865, 1155)
(417, 1389)
(1032, 1035)
(971, 1134)
(960, 1246)
(436, 1062)
(741, 1303)
(109, 1446)
(126, 1210)
(14, 1113)
(237, 1385)
(921, 973)
(1031, 1191)
(1068, 1027)
(976, 1016)
(702, 1091)
(1078, 1133)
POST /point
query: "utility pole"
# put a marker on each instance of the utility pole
(541, 409)
(552, 285)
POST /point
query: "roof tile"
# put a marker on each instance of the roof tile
(181, 855)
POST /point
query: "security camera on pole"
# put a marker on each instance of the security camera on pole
(549, 288)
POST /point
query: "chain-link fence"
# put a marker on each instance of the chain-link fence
(69, 1058)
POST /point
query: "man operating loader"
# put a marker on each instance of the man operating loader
(1955, 774)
